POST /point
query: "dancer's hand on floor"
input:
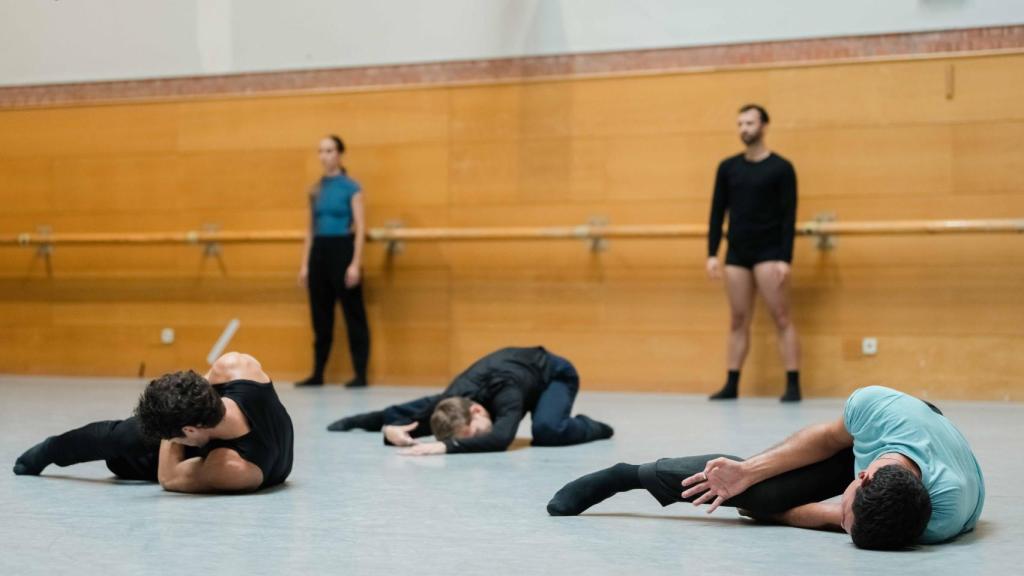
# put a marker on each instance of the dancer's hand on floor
(425, 449)
(721, 479)
(399, 435)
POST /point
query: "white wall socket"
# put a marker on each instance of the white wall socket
(869, 346)
(167, 336)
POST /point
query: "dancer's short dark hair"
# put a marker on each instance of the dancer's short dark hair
(760, 110)
(891, 511)
(176, 400)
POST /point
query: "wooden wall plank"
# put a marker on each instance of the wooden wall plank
(870, 141)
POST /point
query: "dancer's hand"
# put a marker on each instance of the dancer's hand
(352, 276)
(425, 449)
(303, 276)
(399, 435)
(714, 270)
(721, 479)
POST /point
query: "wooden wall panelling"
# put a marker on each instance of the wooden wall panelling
(870, 141)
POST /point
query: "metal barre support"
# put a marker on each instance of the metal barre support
(394, 247)
(45, 249)
(598, 243)
(826, 242)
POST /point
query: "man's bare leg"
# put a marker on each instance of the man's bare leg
(775, 291)
(740, 290)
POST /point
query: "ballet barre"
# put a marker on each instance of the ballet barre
(822, 227)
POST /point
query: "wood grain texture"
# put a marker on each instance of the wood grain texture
(870, 141)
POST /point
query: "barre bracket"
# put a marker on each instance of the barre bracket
(45, 249)
(826, 242)
(395, 247)
(211, 248)
(598, 243)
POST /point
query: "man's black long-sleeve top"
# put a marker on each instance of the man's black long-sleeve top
(760, 198)
(507, 383)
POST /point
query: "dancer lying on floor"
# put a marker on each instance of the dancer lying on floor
(905, 473)
(480, 411)
(226, 431)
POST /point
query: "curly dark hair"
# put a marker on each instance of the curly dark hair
(176, 400)
(890, 512)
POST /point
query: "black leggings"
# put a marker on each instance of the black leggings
(128, 453)
(813, 483)
(329, 258)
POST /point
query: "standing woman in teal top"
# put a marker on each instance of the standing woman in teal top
(331, 264)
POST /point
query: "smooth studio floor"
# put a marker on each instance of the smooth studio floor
(353, 506)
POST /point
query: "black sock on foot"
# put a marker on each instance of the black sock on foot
(370, 421)
(313, 380)
(34, 460)
(731, 388)
(596, 430)
(792, 387)
(586, 491)
(357, 382)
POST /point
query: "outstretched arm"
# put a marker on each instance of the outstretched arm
(222, 470)
(816, 516)
(723, 478)
(405, 422)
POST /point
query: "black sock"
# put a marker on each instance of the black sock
(792, 387)
(729, 391)
(314, 380)
(34, 460)
(596, 430)
(586, 491)
(371, 421)
(357, 382)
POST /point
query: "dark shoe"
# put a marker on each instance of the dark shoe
(356, 382)
(311, 381)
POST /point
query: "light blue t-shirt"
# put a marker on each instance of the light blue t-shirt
(882, 420)
(332, 210)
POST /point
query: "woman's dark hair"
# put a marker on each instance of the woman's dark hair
(890, 512)
(176, 400)
(760, 110)
(340, 147)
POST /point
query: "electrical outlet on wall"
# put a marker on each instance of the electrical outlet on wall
(167, 336)
(869, 346)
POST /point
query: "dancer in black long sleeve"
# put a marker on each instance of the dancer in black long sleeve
(480, 411)
(757, 189)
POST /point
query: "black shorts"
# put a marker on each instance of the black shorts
(750, 256)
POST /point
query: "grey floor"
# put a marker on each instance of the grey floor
(353, 506)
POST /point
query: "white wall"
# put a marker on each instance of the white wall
(43, 41)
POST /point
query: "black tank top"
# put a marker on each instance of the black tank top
(270, 439)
